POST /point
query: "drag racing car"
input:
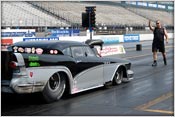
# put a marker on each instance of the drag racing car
(57, 67)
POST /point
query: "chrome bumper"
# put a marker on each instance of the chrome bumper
(130, 76)
(21, 86)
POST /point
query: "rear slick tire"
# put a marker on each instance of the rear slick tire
(54, 88)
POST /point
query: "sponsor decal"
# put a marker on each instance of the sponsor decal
(31, 74)
(28, 50)
(20, 50)
(34, 64)
(33, 58)
(33, 50)
(75, 89)
(15, 49)
(33, 61)
(111, 50)
(39, 51)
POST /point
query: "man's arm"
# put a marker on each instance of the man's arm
(150, 26)
(166, 35)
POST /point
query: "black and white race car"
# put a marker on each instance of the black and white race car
(57, 67)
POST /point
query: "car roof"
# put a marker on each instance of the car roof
(60, 45)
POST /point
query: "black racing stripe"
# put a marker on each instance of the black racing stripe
(35, 60)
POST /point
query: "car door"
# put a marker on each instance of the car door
(88, 66)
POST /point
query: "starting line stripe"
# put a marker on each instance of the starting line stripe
(145, 106)
(159, 111)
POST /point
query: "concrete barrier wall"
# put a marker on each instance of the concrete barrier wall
(145, 37)
(20, 34)
(112, 38)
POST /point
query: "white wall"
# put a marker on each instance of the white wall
(105, 38)
(143, 37)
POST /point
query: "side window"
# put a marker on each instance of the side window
(67, 51)
(89, 52)
(77, 51)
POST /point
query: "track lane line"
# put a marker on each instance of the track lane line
(137, 56)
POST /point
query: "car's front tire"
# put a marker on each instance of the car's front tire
(54, 88)
(118, 77)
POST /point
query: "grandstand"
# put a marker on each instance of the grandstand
(68, 14)
(104, 14)
(24, 14)
(166, 18)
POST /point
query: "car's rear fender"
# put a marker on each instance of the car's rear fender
(41, 75)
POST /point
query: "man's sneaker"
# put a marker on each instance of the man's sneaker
(154, 64)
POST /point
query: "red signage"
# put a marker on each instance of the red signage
(6, 41)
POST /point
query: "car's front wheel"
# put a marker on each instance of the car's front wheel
(118, 77)
(54, 88)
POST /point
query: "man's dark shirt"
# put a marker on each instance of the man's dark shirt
(158, 41)
(158, 35)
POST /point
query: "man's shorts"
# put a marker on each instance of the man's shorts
(158, 47)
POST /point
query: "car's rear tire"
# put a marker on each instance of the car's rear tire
(54, 88)
(118, 77)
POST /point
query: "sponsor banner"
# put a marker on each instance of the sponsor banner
(134, 3)
(63, 32)
(111, 50)
(131, 2)
(170, 7)
(41, 39)
(5, 43)
(161, 6)
(142, 4)
(131, 38)
(110, 40)
(152, 5)
(18, 33)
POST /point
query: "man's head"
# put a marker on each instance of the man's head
(158, 24)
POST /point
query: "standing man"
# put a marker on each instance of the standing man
(158, 41)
